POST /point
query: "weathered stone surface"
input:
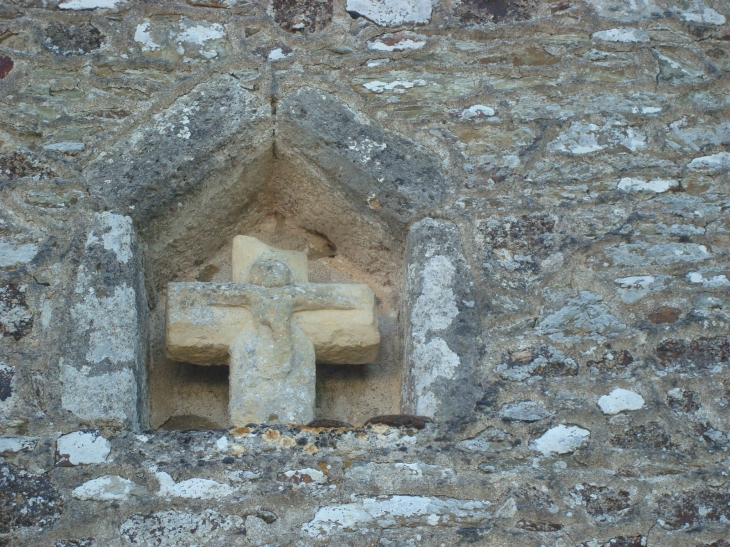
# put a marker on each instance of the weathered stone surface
(15, 320)
(392, 12)
(169, 528)
(523, 411)
(371, 164)
(603, 503)
(181, 39)
(6, 65)
(689, 508)
(103, 374)
(6, 382)
(175, 152)
(544, 361)
(73, 39)
(16, 165)
(26, 499)
(441, 324)
(649, 435)
(486, 11)
(307, 16)
(701, 353)
(582, 317)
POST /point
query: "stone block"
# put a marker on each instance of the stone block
(177, 150)
(441, 324)
(392, 12)
(382, 172)
(103, 374)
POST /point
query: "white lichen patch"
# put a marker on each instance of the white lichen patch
(633, 288)
(435, 308)
(561, 439)
(13, 445)
(714, 162)
(143, 37)
(626, 35)
(13, 253)
(396, 86)
(195, 488)
(580, 139)
(679, 229)
(89, 4)
(433, 312)
(629, 184)
(199, 34)
(187, 40)
(397, 42)
(585, 138)
(392, 12)
(106, 488)
(486, 440)
(625, 10)
(713, 281)
(116, 234)
(431, 361)
(397, 511)
(111, 322)
(307, 476)
(620, 400)
(222, 444)
(277, 54)
(477, 111)
(82, 447)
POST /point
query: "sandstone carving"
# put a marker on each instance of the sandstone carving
(271, 326)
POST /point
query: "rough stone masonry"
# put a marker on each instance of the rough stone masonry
(536, 192)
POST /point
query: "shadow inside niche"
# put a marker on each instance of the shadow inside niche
(201, 398)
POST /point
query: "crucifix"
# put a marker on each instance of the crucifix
(270, 325)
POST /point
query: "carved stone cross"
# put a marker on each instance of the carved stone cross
(271, 325)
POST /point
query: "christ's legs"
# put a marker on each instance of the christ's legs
(272, 376)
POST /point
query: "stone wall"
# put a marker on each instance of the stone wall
(537, 192)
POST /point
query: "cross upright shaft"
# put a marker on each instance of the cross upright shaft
(271, 333)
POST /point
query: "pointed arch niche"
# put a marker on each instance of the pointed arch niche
(327, 182)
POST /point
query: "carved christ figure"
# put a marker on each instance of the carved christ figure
(271, 329)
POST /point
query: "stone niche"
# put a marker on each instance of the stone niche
(281, 197)
(312, 175)
(188, 396)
